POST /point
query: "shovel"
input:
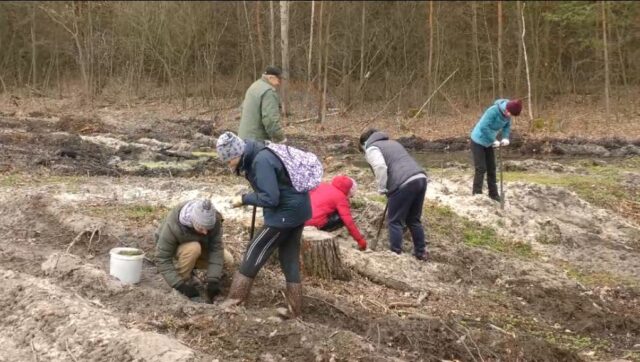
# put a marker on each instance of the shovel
(501, 178)
(374, 245)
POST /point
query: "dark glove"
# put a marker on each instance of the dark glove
(188, 290)
(213, 289)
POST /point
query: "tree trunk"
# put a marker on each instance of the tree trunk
(253, 52)
(323, 109)
(429, 81)
(259, 33)
(34, 78)
(606, 57)
(526, 64)
(319, 74)
(313, 11)
(519, 66)
(490, 46)
(500, 70)
(321, 256)
(284, 38)
(474, 28)
(272, 29)
(362, 32)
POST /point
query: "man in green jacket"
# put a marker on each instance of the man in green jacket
(191, 236)
(261, 109)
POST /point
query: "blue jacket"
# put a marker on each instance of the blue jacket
(492, 121)
(283, 206)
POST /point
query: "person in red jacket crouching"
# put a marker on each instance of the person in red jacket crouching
(331, 209)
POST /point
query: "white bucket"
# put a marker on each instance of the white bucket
(127, 268)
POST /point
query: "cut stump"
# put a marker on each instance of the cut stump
(321, 255)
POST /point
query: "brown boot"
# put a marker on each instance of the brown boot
(240, 288)
(294, 299)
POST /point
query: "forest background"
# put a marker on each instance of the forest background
(421, 68)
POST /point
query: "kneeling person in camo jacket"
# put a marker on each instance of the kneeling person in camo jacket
(191, 236)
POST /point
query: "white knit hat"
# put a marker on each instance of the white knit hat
(229, 146)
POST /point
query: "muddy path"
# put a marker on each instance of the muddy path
(554, 276)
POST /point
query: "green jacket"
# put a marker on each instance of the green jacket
(171, 234)
(261, 113)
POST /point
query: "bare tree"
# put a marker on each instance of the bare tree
(34, 78)
(253, 52)
(362, 32)
(313, 11)
(474, 29)
(526, 64)
(272, 29)
(63, 19)
(284, 38)
(500, 70)
(323, 106)
(519, 66)
(430, 51)
(259, 32)
(606, 56)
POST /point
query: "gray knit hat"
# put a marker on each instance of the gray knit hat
(204, 214)
(229, 146)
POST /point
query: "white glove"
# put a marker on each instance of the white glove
(496, 144)
(504, 142)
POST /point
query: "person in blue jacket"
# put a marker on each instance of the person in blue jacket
(285, 211)
(483, 140)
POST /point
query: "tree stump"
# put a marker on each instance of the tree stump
(321, 255)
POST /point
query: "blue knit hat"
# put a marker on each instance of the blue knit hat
(229, 146)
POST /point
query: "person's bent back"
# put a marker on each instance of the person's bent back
(332, 210)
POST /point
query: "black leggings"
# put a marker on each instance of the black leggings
(262, 246)
(484, 161)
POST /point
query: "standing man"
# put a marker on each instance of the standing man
(261, 109)
(285, 211)
(483, 140)
(404, 182)
(191, 236)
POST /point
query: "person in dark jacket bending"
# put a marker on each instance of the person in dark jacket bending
(191, 236)
(404, 182)
(285, 211)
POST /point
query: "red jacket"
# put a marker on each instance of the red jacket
(329, 198)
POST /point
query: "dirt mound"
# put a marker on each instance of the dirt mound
(555, 220)
(57, 324)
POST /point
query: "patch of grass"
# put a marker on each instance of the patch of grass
(575, 342)
(599, 278)
(142, 212)
(184, 165)
(566, 340)
(600, 187)
(11, 180)
(482, 236)
(138, 213)
(444, 224)
(357, 203)
(377, 198)
(211, 154)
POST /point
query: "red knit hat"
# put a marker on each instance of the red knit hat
(514, 107)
